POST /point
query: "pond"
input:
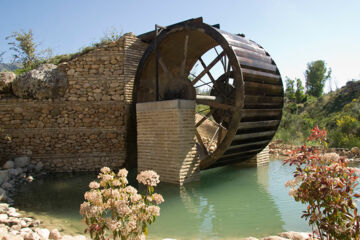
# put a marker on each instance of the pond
(229, 202)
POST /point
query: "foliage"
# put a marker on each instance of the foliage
(114, 208)
(1, 56)
(25, 50)
(299, 93)
(326, 111)
(290, 89)
(316, 76)
(326, 183)
(110, 35)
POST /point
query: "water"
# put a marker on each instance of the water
(228, 203)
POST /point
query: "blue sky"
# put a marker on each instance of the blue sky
(293, 32)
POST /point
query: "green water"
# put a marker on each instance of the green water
(228, 203)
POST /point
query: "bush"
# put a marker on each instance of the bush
(114, 208)
(326, 183)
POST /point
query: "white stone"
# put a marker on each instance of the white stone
(9, 165)
(295, 235)
(31, 236)
(43, 233)
(21, 161)
(55, 234)
(3, 217)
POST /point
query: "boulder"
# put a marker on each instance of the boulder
(4, 176)
(42, 83)
(43, 233)
(21, 162)
(9, 165)
(55, 234)
(31, 236)
(355, 150)
(6, 79)
(3, 217)
(295, 235)
(39, 166)
(14, 172)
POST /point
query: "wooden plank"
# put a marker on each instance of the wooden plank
(253, 135)
(249, 144)
(241, 52)
(247, 62)
(261, 112)
(254, 88)
(259, 124)
(234, 43)
(256, 150)
(266, 77)
(265, 99)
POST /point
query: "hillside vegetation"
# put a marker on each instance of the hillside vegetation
(338, 112)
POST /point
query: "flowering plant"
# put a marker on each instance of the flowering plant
(326, 183)
(112, 207)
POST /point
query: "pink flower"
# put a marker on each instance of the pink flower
(122, 173)
(148, 178)
(94, 185)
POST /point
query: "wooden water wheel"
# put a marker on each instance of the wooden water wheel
(234, 81)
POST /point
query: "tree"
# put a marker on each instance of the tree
(1, 56)
(316, 76)
(290, 89)
(25, 49)
(299, 94)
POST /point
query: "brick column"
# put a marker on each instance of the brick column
(260, 159)
(165, 140)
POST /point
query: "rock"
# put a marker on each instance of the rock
(39, 166)
(77, 237)
(21, 162)
(3, 217)
(6, 79)
(9, 165)
(3, 232)
(42, 83)
(43, 233)
(31, 236)
(14, 172)
(4, 176)
(274, 238)
(55, 234)
(13, 213)
(295, 235)
(355, 150)
(7, 186)
(3, 196)
(30, 179)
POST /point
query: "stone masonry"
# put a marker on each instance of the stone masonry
(86, 128)
(166, 140)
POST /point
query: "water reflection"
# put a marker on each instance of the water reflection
(228, 202)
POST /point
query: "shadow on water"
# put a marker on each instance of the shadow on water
(228, 202)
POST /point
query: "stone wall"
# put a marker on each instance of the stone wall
(166, 141)
(86, 128)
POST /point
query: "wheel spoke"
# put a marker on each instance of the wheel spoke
(164, 68)
(208, 73)
(205, 84)
(215, 102)
(222, 60)
(200, 141)
(182, 68)
(208, 68)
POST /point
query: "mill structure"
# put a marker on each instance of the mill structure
(233, 81)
